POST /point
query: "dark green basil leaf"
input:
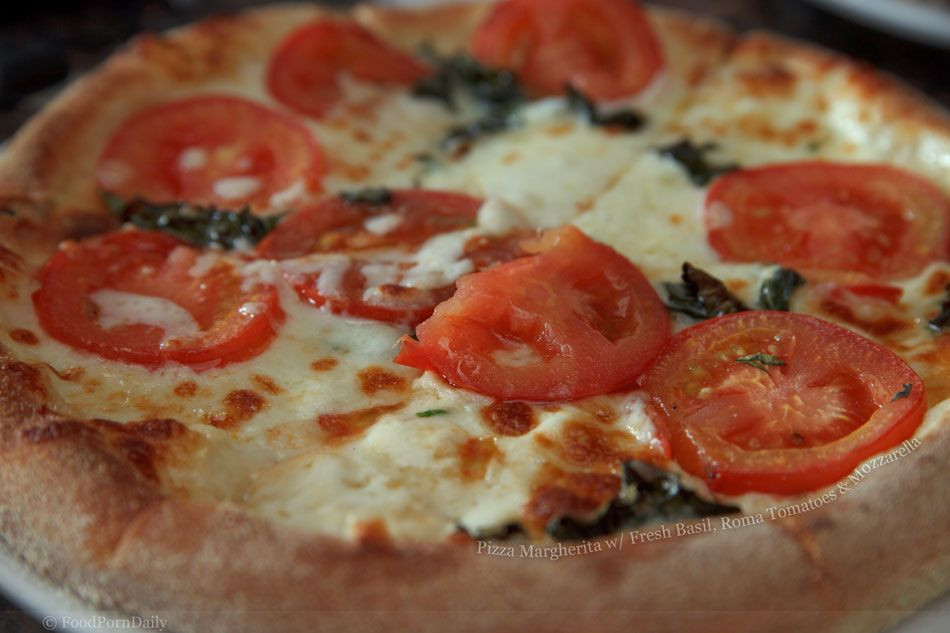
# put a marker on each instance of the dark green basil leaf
(776, 291)
(429, 413)
(692, 158)
(368, 195)
(198, 225)
(462, 75)
(627, 119)
(761, 361)
(942, 320)
(459, 139)
(904, 392)
(647, 495)
(700, 295)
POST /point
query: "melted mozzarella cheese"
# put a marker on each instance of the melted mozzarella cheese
(236, 187)
(554, 168)
(527, 167)
(117, 308)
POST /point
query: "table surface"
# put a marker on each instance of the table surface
(89, 33)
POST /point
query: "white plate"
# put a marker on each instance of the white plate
(921, 22)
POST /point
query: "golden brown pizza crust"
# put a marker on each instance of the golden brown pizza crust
(78, 502)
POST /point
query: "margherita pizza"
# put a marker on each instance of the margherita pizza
(552, 314)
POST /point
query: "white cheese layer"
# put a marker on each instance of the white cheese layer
(280, 461)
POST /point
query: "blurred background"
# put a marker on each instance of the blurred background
(45, 45)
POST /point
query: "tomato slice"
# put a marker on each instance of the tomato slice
(217, 150)
(345, 285)
(874, 308)
(605, 49)
(333, 225)
(576, 319)
(872, 219)
(304, 72)
(352, 294)
(824, 400)
(129, 296)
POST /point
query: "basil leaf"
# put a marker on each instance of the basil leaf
(199, 225)
(700, 295)
(462, 75)
(458, 141)
(692, 158)
(761, 361)
(431, 413)
(628, 119)
(647, 495)
(942, 320)
(904, 392)
(776, 291)
(496, 93)
(368, 195)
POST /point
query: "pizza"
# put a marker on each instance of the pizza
(566, 315)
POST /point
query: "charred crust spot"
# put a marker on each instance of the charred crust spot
(158, 429)
(140, 454)
(509, 418)
(242, 405)
(55, 431)
(600, 410)
(770, 80)
(244, 401)
(9, 262)
(375, 379)
(266, 383)
(937, 282)
(343, 426)
(324, 364)
(475, 456)
(186, 389)
(373, 534)
(136, 442)
(28, 376)
(588, 445)
(25, 337)
(140, 442)
(575, 495)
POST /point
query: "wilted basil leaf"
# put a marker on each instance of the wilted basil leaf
(648, 495)
(198, 225)
(692, 158)
(700, 295)
(776, 291)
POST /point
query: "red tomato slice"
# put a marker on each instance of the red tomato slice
(303, 73)
(575, 320)
(217, 150)
(606, 49)
(871, 219)
(334, 225)
(231, 324)
(404, 223)
(874, 308)
(391, 302)
(781, 429)
(884, 292)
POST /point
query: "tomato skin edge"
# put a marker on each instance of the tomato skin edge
(731, 470)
